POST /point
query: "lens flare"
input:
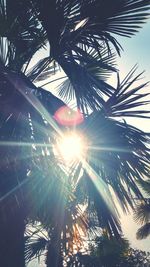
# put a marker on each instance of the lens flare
(68, 117)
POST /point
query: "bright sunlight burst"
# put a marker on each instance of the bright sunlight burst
(71, 147)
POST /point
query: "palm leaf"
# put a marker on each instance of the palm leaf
(34, 247)
(142, 213)
(119, 152)
(84, 26)
(128, 98)
(42, 70)
(93, 70)
(21, 33)
(85, 22)
(143, 231)
(145, 185)
(106, 217)
(88, 92)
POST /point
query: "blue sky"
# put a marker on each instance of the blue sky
(137, 50)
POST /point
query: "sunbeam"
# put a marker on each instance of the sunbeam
(110, 149)
(24, 144)
(102, 188)
(32, 99)
(13, 190)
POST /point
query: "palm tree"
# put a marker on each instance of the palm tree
(42, 240)
(142, 212)
(77, 32)
(80, 35)
(21, 37)
(53, 203)
(112, 142)
(20, 129)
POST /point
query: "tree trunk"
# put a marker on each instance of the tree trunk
(54, 257)
(12, 228)
(13, 169)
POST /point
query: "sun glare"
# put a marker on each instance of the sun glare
(71, 147)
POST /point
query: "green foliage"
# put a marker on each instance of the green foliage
(110, 252)
(142, 212)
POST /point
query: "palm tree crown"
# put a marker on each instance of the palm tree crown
(82, 37)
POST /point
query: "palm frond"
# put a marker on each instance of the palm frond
(42, 70)
(82, 27)
(142, 213)
(7, 51)
(21, 33)
(145, 185)
(143, 232)
(87, 83)
(88, 22)
(49, 101)
(128, 98)
(118, 151)
(92, 70)
(34, 247)
(106, 217)
(100, 65)
(36, 71)
(119, 17)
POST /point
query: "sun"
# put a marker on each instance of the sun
(71, 147)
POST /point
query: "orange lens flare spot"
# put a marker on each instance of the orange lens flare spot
(68, 117)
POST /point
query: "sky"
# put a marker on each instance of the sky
(136, 51)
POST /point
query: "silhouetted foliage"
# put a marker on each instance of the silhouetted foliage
(35, 185)
(142, 212)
